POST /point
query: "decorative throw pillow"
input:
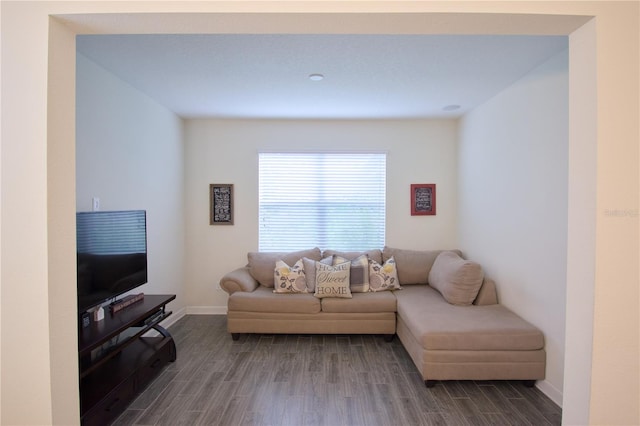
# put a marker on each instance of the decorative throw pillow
(359, 273)
(289, 279)
(310, 271)
(458, 280)
(383, 277)
(261, 264)
(332, 281)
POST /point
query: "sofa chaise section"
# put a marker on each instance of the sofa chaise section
(474, 342)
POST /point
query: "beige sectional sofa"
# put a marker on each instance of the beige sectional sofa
(452, 326)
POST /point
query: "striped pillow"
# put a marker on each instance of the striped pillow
(359, 281)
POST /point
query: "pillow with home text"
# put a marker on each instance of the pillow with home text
(332, 281)
(310, 271)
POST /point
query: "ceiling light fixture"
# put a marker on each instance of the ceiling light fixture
(316, 77)
(451, 108)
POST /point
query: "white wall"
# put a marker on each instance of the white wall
(605, 112)
(226, 151)
(129, 153)
(513, 201)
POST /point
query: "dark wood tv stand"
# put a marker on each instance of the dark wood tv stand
(117, 361)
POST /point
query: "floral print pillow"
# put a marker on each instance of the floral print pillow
(383, 277)
(289, 279)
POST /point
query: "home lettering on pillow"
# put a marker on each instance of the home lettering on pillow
(332, 291)
(332, 281)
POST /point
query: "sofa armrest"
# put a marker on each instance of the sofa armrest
(238, 280)
(487, 294)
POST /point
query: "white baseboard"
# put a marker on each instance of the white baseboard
(173, 318)
(190, 310)
(166, 323)
(551, 391)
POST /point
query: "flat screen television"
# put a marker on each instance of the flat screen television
(111, 254)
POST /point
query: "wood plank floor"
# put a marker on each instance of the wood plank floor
(317, 380)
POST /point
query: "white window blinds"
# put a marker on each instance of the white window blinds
(325, 200)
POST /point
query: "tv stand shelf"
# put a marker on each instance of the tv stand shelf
(117, 360)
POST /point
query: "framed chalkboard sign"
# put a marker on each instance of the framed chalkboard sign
(423, 199)
(220, 204)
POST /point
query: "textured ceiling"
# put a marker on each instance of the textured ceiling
(366, 76)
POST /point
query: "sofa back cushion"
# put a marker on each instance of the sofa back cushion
(458, 280)
(262, 264)
(374, 254)
(413, 265)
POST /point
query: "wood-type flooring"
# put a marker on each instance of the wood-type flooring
(327, 380)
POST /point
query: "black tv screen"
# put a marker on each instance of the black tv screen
(112, 254)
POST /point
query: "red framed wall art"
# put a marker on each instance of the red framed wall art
(423, 199)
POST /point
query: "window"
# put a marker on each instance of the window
(326, 200)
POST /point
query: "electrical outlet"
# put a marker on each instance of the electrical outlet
(96, 204)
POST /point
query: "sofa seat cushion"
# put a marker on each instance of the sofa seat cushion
(361, 303)
(263, 299)
(438, 325)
